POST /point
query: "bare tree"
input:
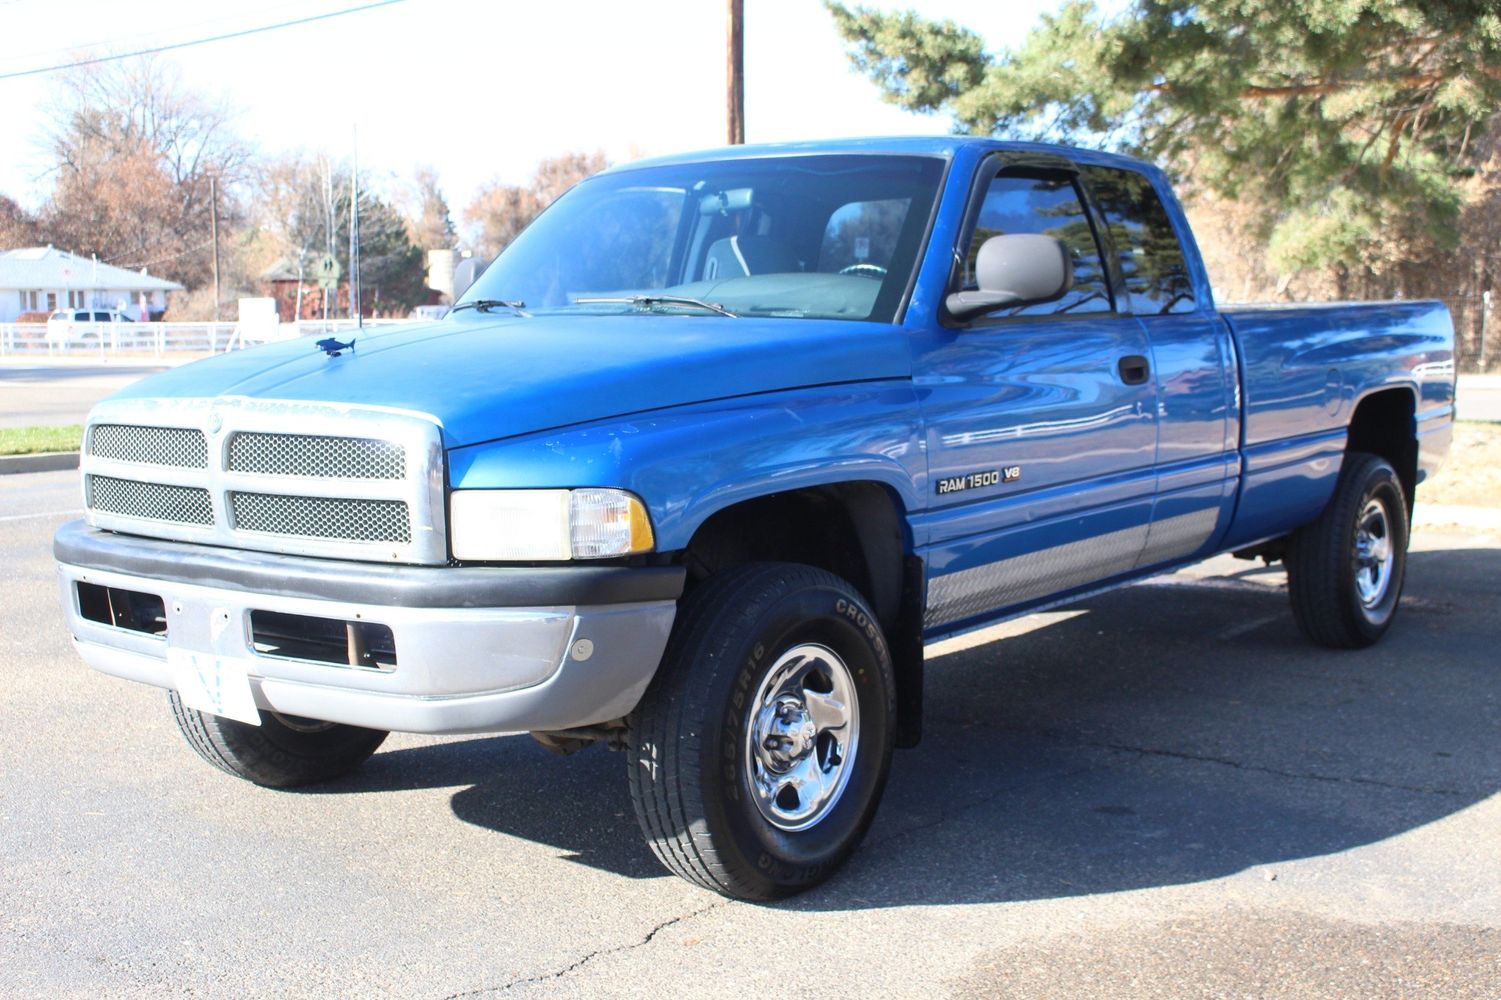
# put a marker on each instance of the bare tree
(18, 227)
(135, 150)
(501, 211)
(430, 223)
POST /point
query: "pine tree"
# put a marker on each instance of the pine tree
(1353, 123)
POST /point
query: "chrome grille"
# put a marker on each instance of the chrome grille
(152, 501)
(322, 517)
(338, 481)
(316, 456)
(180, 447)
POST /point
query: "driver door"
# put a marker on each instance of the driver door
(1041, 424)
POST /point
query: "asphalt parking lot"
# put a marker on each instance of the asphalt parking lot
(1160, 792)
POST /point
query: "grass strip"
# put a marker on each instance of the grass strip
(35, 440)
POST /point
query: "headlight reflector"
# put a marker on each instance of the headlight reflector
(547, 525)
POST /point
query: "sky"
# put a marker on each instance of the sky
(479, 91)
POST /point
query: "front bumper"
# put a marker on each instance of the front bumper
(479, 649)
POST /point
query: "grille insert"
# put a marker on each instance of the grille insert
(352, 520)
(153, 501)
(180, 447)
(316, 456)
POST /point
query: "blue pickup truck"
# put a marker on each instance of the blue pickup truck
(701, 461)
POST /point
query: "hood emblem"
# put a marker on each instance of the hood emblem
(333, 348)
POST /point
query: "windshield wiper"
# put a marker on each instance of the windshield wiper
(485, 305)
(647, 301)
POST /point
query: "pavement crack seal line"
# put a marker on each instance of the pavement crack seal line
(591, 956)
(1226, 762)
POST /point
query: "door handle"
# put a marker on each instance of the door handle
(1134, 369)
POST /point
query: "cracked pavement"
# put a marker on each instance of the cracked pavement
(1159, 792)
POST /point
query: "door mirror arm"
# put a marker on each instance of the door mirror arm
(1014, 270)
(964, 306)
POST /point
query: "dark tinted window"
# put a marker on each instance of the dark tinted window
(1018, 203)
(1151, 257)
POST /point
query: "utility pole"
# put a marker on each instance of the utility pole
(213, 222)
(354, 236)
(329, 229)
(1485, 312)
(735, 73)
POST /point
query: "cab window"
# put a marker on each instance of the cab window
(1049, 204)
(1151, 257)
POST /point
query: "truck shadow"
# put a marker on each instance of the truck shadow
(1169, 733)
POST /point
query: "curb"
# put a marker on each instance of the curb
(50, 461)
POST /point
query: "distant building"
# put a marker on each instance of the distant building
(40, 280)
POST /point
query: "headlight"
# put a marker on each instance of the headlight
(546, 525)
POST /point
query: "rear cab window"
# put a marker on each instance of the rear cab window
(862, 236)
(1156, 276)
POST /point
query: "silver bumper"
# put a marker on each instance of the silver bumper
(459, 669)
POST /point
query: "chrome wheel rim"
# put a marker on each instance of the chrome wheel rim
(802, 738)
(1373, 553)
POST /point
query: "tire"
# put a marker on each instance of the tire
(1345, 570)
(776, 678)
(282, 752)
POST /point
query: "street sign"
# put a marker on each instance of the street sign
(326, 271)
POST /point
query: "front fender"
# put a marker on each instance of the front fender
(688, 462)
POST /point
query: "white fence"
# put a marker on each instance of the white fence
(161, 339)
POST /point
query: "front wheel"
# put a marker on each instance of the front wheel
(759, 754)
(282, 752)
(1345, 570)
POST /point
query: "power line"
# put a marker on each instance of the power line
(196, 41)
(154, 34)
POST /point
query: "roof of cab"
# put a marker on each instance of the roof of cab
(945, 146)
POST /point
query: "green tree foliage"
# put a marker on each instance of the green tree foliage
(303, 205)
(393, 277)
(1352, 122)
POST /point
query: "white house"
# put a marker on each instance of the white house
(43, 279)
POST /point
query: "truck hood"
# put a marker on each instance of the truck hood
(485, 376)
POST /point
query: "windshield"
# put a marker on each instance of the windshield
(823, 236)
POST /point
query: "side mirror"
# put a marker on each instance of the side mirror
(465, 273)
(1015, 270)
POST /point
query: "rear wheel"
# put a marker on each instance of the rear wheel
(1346, 569)
(759, 754)
(282, 752)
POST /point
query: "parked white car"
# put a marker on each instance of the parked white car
(72, 325)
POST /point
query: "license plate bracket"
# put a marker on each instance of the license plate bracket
(219, 685)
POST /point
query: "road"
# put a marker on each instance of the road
(1479, 398)
(1160, 792)
(36, 394)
